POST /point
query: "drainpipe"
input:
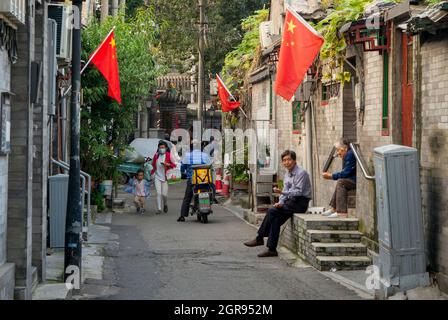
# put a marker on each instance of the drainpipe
(63, 118)
(309, 147)
(418, 94)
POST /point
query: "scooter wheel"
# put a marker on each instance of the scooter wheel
(204, 218)
(198, 217)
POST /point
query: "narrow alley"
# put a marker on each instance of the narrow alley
(159, 258)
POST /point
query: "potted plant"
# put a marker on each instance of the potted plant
(240, 176)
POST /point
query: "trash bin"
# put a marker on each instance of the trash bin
(58, 190)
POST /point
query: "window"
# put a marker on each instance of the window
(5, 123)
(329, 90)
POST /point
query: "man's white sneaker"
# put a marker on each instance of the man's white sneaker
(333, 215)
(327, 213)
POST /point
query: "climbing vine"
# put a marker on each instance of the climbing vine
(334, 47)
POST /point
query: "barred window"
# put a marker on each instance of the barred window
(329, 90)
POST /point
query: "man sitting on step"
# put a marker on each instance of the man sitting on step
(294, 198)
(346, 181)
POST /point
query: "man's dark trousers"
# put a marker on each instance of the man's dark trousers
(185, 210)
(187, 199)
(276, 217)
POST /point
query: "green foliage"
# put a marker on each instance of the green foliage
(105, 125)
(228, 30)
(334, 47)
(179, 29)
(238, 172)
(239, 61)
(98, 200)
(132, 6)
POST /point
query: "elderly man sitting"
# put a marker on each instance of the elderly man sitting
(346, 180)
(294, 198)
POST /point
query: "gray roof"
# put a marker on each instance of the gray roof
(434, 18)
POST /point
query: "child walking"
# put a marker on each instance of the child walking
(161, 163)
(141, 191)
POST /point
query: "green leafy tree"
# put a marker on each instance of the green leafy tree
(177, 22)
(239, 61)
(105, 125)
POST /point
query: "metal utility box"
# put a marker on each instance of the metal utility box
(58, 190)
(402, 260)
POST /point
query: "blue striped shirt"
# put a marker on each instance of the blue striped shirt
(296, 183)
(192, 158)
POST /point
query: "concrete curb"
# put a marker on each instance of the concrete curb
(350, 284)
(236, 214)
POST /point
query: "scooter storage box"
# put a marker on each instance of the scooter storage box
(201, 175)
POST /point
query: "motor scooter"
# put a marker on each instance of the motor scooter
(202, 184)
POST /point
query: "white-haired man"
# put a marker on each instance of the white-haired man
(346, 180)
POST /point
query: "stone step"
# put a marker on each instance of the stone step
(319, 222)
(337, 249)
(333, 236)
(326, 263)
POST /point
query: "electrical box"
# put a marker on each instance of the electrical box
(402, 259)
(58, 191)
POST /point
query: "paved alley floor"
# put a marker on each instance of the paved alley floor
(160, 258)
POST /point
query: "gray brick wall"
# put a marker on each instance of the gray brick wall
(41, 147)
(328, 130)
(19, 236)
(369, 137)
(5, 74)
(286, 139)
(434, 150)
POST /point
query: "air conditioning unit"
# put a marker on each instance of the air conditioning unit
(62, 14)
(266, 32)
(14, 10)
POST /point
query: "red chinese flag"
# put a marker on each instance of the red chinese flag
(300, 46)
(105, 59)
(224, 95)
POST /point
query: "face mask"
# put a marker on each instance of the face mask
(162, 151)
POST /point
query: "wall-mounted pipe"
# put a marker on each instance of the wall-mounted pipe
(358, 159)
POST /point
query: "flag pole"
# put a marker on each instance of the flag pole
(96, 51)
(90, 59)
(243, 111)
